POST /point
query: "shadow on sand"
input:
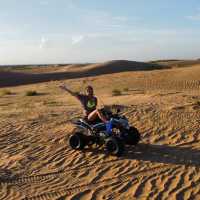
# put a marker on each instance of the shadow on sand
(18, 78)
(159, 153)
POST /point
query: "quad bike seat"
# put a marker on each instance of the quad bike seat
(94, 122)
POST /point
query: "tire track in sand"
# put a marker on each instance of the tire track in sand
(54, 174)
(79, 188)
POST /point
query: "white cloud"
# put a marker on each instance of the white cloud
(43, 42)
(71, 5)
(120, 18)
(194, 17)
(104, 20)
(107, 20)
(77, 39)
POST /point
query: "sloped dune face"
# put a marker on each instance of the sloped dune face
(40, 74)
(37, 162)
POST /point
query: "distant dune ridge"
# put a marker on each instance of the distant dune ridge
(19, 77)
(28, 75)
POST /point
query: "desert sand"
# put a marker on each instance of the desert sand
(163, 102)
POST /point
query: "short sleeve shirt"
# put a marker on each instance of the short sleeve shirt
(88, 104)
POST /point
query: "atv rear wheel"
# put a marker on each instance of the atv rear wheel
(77, 141)
(133, 136)
(114, 146)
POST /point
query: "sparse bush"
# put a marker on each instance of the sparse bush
(126, 89)
(116, 92)
(198, 103)
(52, 103)
(6, 92)
(31, 93)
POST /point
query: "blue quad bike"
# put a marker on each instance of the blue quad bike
(114, 136)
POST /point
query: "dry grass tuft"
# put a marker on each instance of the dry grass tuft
(5, 92)
(31, 93)
(126, 89)
(116, 92)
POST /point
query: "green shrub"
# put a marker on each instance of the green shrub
(198, 103)
(31, 93)
(126, 89)
(6, 92)
(116, 92)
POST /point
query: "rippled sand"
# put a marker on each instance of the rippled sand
(37, 163)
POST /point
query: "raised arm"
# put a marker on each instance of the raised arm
(63, 87)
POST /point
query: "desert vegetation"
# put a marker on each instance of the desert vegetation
(116, 92)
(5, 92)
(31, 93)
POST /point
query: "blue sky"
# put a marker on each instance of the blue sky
(63, 31)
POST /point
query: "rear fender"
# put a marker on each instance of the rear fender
(81, 129)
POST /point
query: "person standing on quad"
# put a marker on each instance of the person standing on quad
(89, 103)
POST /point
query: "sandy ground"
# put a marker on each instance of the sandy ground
(37, 163)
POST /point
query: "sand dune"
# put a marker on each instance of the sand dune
(177, 63)
(37, 163)
(13, 78)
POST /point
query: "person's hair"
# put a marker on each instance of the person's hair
(89, 87)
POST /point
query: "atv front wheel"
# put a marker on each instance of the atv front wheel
(133, 136)
(77, 141)
(114, 146)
